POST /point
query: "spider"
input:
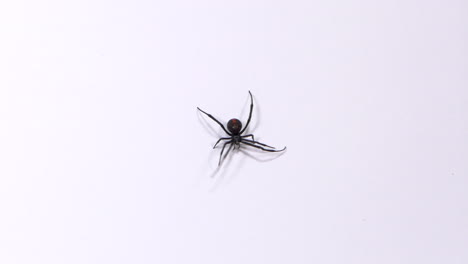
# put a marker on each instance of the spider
(235, 130)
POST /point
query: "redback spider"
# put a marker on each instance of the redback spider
(235, 130)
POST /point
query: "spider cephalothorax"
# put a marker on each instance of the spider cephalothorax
(235, 130)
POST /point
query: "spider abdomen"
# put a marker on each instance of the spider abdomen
(234, 126)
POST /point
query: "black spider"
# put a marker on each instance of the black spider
(235, 134)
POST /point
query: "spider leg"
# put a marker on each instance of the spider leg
(214, 119)
(250, 114)
(222, 150)
(227, 152)
(256, 142)
(269, 150)
(249, 135)
(224, 138)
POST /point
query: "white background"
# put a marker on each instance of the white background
(105, 159)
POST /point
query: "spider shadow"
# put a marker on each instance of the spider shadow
(225, 162)
(221, 171)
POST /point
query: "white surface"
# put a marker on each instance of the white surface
(104, 158)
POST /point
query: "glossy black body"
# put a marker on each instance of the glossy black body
(235, 131)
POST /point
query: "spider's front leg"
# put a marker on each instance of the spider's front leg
(214, 119)
(224, 138)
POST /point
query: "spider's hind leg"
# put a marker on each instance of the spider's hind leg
(262, 148)
(222, 150)
(249, 135)
(256, 142)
